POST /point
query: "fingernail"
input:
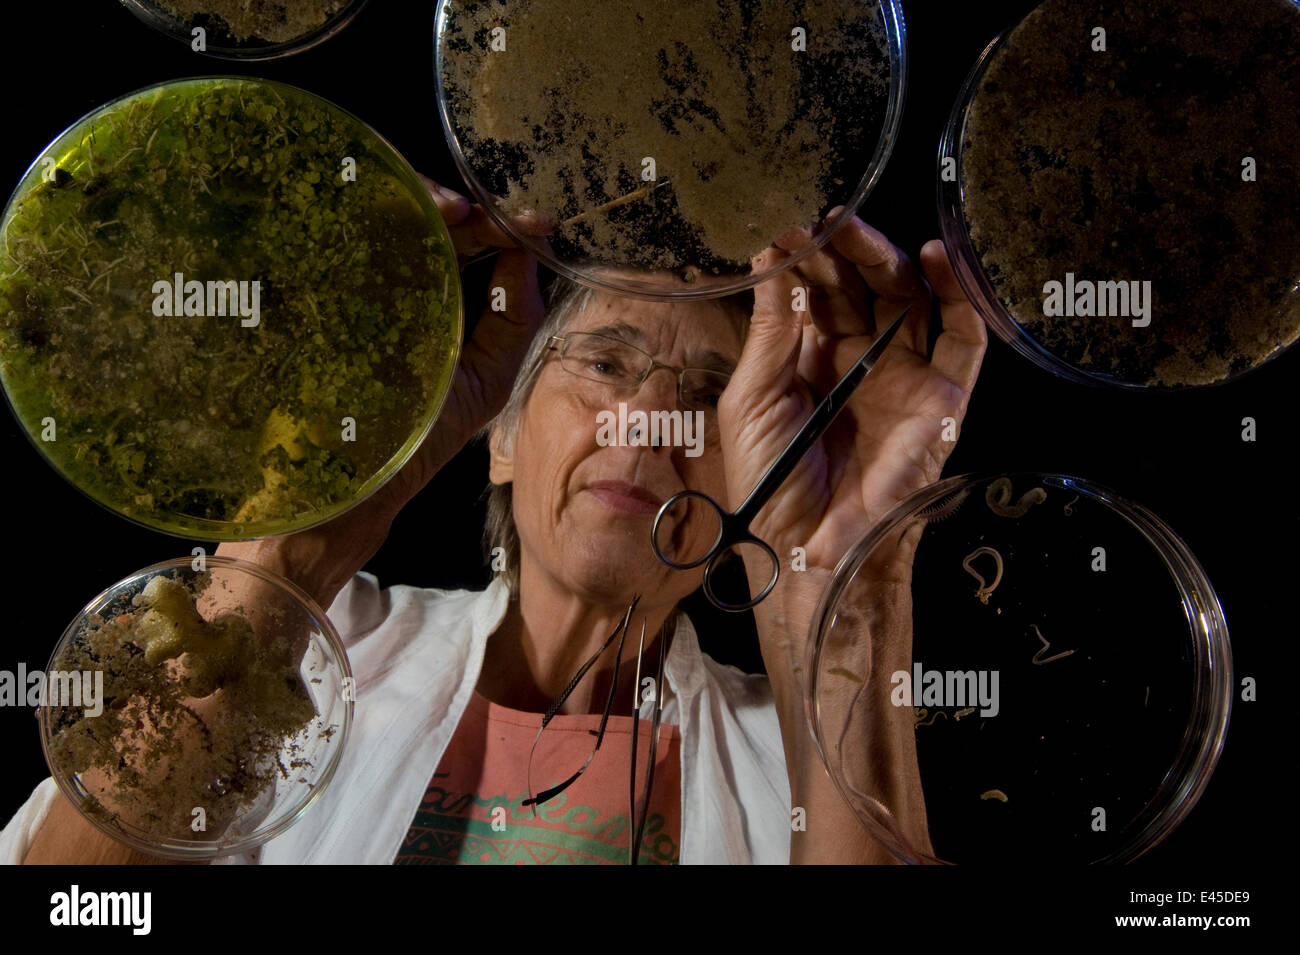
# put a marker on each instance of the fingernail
(534, 222)
(453, 197)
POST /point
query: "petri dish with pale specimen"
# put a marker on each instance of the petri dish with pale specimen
(243, 30)
(1119, 187)
(193, 714)
(228, 308)
(669, 143)
(1046, 663)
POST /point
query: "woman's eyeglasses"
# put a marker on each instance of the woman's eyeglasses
(624, 368)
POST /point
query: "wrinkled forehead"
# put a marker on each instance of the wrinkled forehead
(702, 334)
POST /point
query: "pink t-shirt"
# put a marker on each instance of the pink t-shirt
(471, 813)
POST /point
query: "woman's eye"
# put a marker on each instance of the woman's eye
(607, 366)
(705, 391)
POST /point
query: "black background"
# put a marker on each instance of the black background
(1181, 455)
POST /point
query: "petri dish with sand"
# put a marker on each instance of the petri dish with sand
(1119, 185)
(244, 30)
(675, 140)
(197, 713)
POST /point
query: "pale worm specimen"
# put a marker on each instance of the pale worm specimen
(985, 588)
(614, 203)
(1046, 646)
(998, 498)
(997, 794)
(1069, 508)
(918, 716)
(966, 712)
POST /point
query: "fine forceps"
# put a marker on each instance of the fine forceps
(638, 819)
(733, 529)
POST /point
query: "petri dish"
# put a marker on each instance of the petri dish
(670, 143)
(194, 714)
(228, 308)
(1065, 688)
(1126, 216)
(237, 30)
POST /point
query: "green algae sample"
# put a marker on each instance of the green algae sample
(227, 308)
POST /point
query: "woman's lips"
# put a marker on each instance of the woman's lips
(628, 498)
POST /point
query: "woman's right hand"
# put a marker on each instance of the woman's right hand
(322, 559)
(490, 359)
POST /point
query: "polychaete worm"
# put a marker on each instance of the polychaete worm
(919, 717)
(1046, 646)
(985, 588)
(998, 498)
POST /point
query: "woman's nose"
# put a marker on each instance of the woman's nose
(656, 396)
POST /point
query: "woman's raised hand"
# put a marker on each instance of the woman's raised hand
(897, 431)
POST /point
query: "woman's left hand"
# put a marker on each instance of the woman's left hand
(890, 439)
(887, 442)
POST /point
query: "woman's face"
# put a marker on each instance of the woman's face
(584, 498)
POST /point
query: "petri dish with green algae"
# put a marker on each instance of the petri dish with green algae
(228, 308)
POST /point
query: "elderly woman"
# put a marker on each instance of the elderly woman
(450, 687)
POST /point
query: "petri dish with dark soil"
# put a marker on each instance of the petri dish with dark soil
(672, 139)
(248, 29)
(228, 308)
(1119, 187)
(1064, 690)
(196, 713)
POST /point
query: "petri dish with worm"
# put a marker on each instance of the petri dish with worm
(1020, 667)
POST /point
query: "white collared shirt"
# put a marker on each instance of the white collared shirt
(416, 655)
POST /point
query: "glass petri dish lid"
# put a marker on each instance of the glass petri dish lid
(193, 714)
(228, 308)
(1063, 693)
(1118, 189)
(670, 143)
(238, 30)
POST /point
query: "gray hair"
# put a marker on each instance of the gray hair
(565, 300)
